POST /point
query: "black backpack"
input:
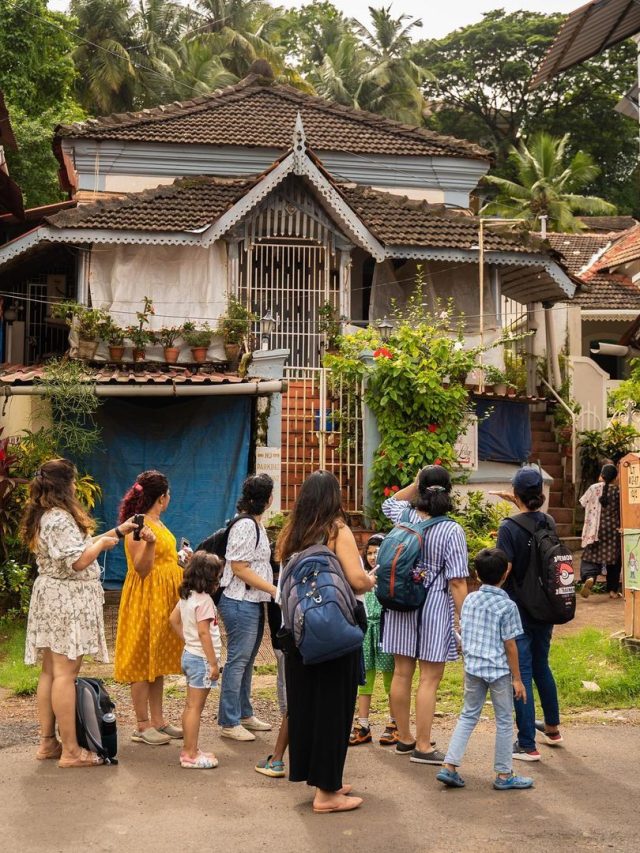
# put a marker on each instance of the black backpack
(217, 544)
(547, 591)
(96, 727)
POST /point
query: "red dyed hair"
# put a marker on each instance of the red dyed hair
(148, 487)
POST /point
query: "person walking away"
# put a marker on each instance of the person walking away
(375, 660)
(248, 585)
(321, 696)
(535, 641)
(426, 635)
(490, 624)
(65, 619)
(146, 647)
(195, 621)
(601, 533)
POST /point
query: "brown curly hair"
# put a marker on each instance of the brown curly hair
(53, 487)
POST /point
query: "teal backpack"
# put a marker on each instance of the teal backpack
(400, 585)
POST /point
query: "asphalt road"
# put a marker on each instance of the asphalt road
(586, 798)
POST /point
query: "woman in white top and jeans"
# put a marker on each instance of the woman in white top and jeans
(248, 583)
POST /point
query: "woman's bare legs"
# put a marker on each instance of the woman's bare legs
(155, 702)
(63, 701)
(196, 698)
(400, 695)
(430, 677)
(140, 700)
(46, 716)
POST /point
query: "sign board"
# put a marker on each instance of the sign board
(269, 461)
(630, 523)
(466, 446)
(631, 558)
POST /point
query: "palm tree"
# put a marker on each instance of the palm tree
(546, 185)
(339, 75)
(198, 70)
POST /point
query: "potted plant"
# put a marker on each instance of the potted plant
(139, 335)
(114, 335)
(235, 327)
(515, 371)
(497, 378)
(199, 339)
(329, 324)
(87, 321)
(167, 337)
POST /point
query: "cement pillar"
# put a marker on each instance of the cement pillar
(370, 441)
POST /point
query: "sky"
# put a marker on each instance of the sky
(450, 14)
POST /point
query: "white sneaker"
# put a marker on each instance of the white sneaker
(236, 733)
(256, 725)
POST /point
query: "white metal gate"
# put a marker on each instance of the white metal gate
(321, 429)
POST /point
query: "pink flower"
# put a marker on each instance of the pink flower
(437, 462)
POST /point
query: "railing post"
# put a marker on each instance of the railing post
(370, 440)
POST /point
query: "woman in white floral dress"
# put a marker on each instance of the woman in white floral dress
(65, 614)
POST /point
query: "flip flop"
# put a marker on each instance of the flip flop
(86, 759)
(55, 751)
(349, 805)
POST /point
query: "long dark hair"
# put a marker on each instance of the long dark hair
(148, 487)
(202, 574)
(53, 488)
(256, 491)
(434, 491)
(609, 473)
(315, 517)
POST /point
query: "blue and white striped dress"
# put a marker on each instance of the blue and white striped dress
(444, 543)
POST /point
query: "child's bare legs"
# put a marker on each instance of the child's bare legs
(46, 716)
(63, 701)
(364, 706)
(400, 695)
(430, 677)
(196, 698)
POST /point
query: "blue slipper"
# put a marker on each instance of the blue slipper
(450, 778)
(512, 782)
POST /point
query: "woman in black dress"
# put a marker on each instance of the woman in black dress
(321, 696)
(601, 533)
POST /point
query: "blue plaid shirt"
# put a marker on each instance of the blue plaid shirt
(488, 618)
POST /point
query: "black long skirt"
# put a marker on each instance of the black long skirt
(320, 704)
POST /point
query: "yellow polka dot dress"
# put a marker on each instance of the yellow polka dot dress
(146, 645)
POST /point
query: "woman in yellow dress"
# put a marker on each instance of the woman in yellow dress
(146, 647)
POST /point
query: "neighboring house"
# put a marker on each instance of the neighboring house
(292, 204)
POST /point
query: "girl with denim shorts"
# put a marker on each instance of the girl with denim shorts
(195, 620)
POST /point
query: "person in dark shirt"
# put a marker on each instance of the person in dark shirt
(534, 643)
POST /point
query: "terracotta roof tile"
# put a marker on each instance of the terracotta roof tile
(258, 113)
(608, 291)
(623, 251)
(578, 250)
(18, 374)
(607, 224)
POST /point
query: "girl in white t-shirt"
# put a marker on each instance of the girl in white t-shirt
(195, 621)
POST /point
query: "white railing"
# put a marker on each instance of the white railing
(574, 427)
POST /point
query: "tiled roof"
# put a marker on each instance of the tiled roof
(607, 291)
(261, 114)
(18, 374)
(608, 224)
(186, 205)
(625, 250)
(193, 203)
(578, 250)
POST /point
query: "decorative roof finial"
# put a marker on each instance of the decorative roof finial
(299, 142)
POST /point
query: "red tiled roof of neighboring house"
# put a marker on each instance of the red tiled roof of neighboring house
(259, 113)
(18, 374)
(578, 250)
(192, 203)
(623, 251)
(607, 224)
(608, 291)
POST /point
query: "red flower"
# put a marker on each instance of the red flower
(387, 492)
(433, 427)
(395, 488)
(437, 462)
(3, 455)
(382, 352)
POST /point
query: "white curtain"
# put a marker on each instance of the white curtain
(184, 282)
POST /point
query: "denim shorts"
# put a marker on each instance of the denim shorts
(196, 671)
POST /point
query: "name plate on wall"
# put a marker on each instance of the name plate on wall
(269, 461)
(466, 446)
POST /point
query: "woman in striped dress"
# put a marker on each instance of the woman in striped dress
(426, 635)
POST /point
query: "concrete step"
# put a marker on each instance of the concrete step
(555, 499)
(573, 542)
(562, 515)
(549, 458)
(555, 471)
(565, 531)
(543, 446)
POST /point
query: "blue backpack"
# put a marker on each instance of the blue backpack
(400, 586)
(318, 606)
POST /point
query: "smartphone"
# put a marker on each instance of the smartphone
(184, 543)
(139, 520)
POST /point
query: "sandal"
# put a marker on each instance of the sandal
(53, 751)
(347, 805)
(85, 759)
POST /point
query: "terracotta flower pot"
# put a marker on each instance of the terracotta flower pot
(87, 349)
(199, 354)
(171, 354)
(500, 389)
(139, 354)
(116, 353)
(232, 354)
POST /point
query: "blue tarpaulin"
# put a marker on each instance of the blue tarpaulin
(505, 435)
(201, 444)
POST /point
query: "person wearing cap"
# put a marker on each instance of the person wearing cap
(535, 641)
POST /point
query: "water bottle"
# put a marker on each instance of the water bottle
(109, 733)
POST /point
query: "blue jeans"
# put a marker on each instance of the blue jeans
(533, 656)
(244, 624)
(475, 693)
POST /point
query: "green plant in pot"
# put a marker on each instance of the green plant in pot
(515, 371)
(114, 335)
(330, 325)
(141, 336)
(199, 339)
(87, 321)
(497, 378)
(235, 328)
(167, 337)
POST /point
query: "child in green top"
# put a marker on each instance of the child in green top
(375, 660)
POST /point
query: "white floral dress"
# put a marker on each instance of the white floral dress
(66, 609)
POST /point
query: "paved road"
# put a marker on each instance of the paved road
(586, 798)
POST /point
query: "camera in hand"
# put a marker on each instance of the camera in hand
(139, 520)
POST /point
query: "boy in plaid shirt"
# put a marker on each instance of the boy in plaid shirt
(490, 623)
